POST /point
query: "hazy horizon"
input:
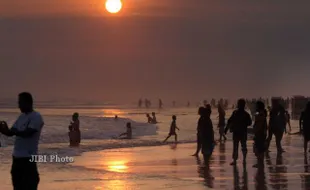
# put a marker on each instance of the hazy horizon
(173, 49)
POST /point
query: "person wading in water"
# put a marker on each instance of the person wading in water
(74, 131)
(27, 130)
(238, 124)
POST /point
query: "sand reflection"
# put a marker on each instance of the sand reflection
(204, 171)
(244, 183)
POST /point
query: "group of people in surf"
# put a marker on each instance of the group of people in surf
(151, 120)
(238, 124)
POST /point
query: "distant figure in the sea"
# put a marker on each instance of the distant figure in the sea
(304, 126)
(27, 131)
(238, 124)
(116, 118)
(154, 120)
(173, 128)
(207, 135)
(146, 103)
(188, 104)
(128, 133)
(74, 130)
(201, 113)
(160, 104)
(149, 118)
(140, 103)
(260, 132)
(277, 125)
(205, 102)
(221, 123)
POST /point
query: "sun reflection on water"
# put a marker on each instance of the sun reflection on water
(117, 166)
(112, 112)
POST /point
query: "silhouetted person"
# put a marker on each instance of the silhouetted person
(207, 135)
(199, 127)
(154, 120)
(288, 121)
(188, 104)
(221, 123)
(146, 103)
(277, 124)
(304, 125)
(205, 102)
(140, 103)
(116, 118)
(74, 130)
(173, 128)
(128, 133)
(260, 132)
(160, 104)
(238, 124)
(27, 130)
(173, 103)
(149, 118)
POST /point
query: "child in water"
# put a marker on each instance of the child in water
(128, 133)
(173, 127)
(149, 119)
(154, 121)
(74, 130)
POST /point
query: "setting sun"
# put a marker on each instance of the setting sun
(113, 6)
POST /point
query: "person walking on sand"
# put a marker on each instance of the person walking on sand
(238, 124)
(260, 132)
(221, 123)
(173, 127)
(200, 124)
(128, 133)
(207, 135)
(74, 131)
(288, 121)
(27, 129)
(277, 125)
(304, 125)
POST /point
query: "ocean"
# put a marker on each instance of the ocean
(144, 162)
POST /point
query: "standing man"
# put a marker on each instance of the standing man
(238, 124)
(27, 130)
(277, 125)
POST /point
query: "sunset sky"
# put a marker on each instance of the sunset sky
(174, 49)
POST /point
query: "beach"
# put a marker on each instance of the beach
(146, 163)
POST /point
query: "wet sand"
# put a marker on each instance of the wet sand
(172, 167)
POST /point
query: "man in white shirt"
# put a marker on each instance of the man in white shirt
(27, 130)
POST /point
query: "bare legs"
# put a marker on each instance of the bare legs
(175, 136)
